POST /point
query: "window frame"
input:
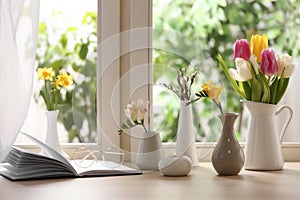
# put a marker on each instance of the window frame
(124, 66)
(116, 17)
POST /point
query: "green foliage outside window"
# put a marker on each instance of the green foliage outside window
(189, 34)
(204, 29)
(72, 49)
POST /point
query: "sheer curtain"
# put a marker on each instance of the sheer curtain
(18, 39)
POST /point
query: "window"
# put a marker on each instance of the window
(68, 38)
(124, 64)
(189, 34)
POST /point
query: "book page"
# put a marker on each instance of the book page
(49, 151)
(96, 168)
(102, 167)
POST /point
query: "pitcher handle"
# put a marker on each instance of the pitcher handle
(278, 111)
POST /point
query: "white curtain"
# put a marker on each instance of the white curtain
(18, 39)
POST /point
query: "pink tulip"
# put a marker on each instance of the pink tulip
(241, 49)
(268, 63)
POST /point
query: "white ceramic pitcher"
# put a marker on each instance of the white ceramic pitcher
(263, 143)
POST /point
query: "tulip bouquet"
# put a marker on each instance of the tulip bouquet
(135, 113)
(259, 75)
(53, 83)
(211, 91)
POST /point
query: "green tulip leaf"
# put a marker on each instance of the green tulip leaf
(256, 90)
(283, 83)
(247, 89)
(273, 90)
(232, 81)
(266, 94)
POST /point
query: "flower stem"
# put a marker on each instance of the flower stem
(47, 95)
(219, 106)
(144, 127)
(232, 81)
(192, 101)
(269, 79)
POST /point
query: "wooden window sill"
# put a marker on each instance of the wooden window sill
(201, 183)
(290, 150)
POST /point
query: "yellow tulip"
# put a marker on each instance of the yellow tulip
(46, 73)
(258, 43)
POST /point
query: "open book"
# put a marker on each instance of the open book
(24, 165)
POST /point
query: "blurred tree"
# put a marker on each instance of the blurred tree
(191, 33)
(72, 49)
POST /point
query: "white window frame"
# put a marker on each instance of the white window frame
(124, 65)
(128, 53)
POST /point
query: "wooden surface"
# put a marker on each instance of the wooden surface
(202, 183)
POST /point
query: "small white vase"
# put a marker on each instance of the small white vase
(150, 151)
(185, 141)
(52, 134)
(263, 143)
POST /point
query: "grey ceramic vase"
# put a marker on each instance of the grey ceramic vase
(228, 156)
(150, 151)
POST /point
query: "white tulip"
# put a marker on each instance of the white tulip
(286, 66)
(242, 71)
(254, 63)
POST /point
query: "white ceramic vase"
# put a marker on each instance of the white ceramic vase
(185, 141)
(263, 143)
(52, 134)
(150, 151)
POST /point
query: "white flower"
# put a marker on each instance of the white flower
(132, 112)
(254, 63)
(242, 71)
(136, 112)
(142, 108)
(286, 66)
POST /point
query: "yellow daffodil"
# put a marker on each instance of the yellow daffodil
(64, 80)
(56, 83)
(213, 91)
(46, 73)
(53, 81)
(258, 43)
